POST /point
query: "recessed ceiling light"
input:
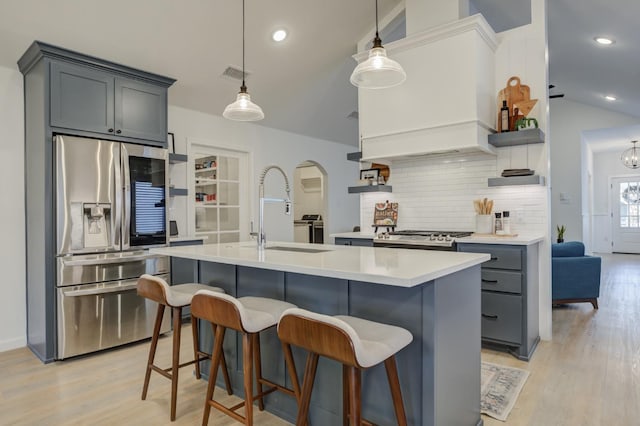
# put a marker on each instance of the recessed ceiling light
(604, 41)
(279, 35)
(610, 98)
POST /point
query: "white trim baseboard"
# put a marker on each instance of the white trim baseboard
(8, 344)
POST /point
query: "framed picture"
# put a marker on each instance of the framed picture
(370, 174)
(171, 139)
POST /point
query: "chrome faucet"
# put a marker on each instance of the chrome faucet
(287, 203)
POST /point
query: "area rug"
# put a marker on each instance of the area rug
(500, 387)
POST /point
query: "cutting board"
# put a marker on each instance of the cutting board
(518, 95)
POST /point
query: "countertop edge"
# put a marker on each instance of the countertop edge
(524, 240)
(472, 260)
(355, 235)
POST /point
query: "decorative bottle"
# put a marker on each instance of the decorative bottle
(498, 224)
(506, 222)
(504, 117)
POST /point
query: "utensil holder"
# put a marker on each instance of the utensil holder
(484, 224)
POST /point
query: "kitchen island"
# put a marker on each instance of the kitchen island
(435, 295)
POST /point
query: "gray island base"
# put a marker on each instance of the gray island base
(439, 371)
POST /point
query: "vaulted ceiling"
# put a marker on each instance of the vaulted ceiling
(303, 83)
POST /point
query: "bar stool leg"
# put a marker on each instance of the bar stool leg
(247, 351)
(258, 368)
(355, 395)
(194, 334)
(177, 322)
(291, 366)
(152, 350)
(396, 393)
(213, 372)
(345, 395)
(307, 387)
(223, 361)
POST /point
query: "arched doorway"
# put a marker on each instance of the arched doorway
(309, 202)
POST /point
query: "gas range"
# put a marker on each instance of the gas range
(418, 239)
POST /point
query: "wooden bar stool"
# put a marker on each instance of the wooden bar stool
(249, 316)
(356, 343)
(176, 297)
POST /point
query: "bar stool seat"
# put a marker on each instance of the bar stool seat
(248, 315)
(357, 343)
(176, 297)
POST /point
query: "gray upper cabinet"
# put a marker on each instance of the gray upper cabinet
(81, 98)
(95, 101)
(93, 97)
(140, 110)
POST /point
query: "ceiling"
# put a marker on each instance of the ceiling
(303, 84)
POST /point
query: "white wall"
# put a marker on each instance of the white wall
(568, 121)
(605, 166)
(270, 146)
(437, 193)
(12, 251)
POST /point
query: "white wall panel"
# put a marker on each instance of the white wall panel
(12, 252)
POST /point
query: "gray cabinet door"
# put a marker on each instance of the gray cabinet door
(81, 98)
(502, 317)
(140, 110)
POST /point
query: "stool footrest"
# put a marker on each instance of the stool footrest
(276, 386)
(231, 411)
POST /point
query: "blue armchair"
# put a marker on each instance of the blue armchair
(574, 276)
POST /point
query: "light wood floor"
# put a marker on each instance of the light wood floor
(588, 375)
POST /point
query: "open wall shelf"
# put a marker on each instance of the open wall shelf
(177, 158)
(369, 188)
(520, 137)
(517, 180)
(354, 156)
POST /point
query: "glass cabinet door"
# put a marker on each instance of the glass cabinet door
(218, 202)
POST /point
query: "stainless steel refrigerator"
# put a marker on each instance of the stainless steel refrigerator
(111, 207)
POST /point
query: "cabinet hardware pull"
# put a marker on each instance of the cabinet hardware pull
(494, 257)
(118, 131)
(110, 130)
(490, 316)
(489, 281)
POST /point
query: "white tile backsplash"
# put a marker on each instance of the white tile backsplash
(437, 192)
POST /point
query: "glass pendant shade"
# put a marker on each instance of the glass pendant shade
(629, 157)
(378, 71)
(243, 109)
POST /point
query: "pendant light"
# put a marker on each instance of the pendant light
(629, 157)
(378, 71)
(243, 109)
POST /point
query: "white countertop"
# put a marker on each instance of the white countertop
(522, 240)
(390, 266)
(356, 235)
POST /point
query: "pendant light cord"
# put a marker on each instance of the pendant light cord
(243, 88)
(376, 41)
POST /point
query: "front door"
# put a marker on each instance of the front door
(625, 205)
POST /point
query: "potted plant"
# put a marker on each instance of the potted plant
(561, 229)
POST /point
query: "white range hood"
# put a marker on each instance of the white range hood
(448, 102)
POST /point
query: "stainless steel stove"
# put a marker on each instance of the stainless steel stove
(417, 239)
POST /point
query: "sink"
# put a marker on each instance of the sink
(297, 249)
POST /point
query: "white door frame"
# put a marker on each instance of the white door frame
(610, 201)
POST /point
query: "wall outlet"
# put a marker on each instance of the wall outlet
(519, 216)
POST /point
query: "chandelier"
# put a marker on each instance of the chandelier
(629, 157)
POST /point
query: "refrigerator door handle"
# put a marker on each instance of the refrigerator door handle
(110, 261)
(120, 287)
(126, 176)
(116, 219)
